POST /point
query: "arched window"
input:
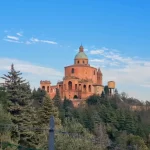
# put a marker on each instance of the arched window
(83, 61)
(43, 87)
(70, 85)
(78, 61)
(72, 71)
(84, 88)
(89, 88)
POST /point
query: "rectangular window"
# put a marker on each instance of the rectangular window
(75, 86)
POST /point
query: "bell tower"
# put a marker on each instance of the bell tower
(45, 85)
(99, 76)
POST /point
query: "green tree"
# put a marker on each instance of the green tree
(38, 97)
(5, 125)
(19, 95)
(26, 127)
(57, 99)
(121, 120)
(78, 138)
(130, 123)
(18, 91)
(106, 90)
(47, 110)
(93, 100)
(136, 142)
(102, 95)
(3, 97)
(67, 107)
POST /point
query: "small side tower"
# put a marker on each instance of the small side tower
(45, 85)
(111, 87)
(99, 77)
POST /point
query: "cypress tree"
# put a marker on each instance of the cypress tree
(106, 90)
(102, 95)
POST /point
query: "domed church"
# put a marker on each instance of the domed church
(80, 80)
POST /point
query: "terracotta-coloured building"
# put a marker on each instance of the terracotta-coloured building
(80, 80)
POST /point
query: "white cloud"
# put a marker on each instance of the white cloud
(85, 49)
(13, 41)
(27, 42)
(97, 60)
(19, 34)
(97, 52)
(12, 37)
(35, 40)
(33, 73)
(124, 70)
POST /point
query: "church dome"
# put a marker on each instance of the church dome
(81, 54)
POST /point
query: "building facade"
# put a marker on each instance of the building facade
(80, 80)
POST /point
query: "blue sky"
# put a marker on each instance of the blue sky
(41, 37)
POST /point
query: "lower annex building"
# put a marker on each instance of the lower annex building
(80, 80)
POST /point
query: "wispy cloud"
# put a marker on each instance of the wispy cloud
(12, 37)
(19, 33)
(35, 40)
(28, 42)
(13, 41)
(127, 71)
(97, 60)
(19, 38)
(101, 51)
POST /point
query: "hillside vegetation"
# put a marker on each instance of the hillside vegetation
(101, 123)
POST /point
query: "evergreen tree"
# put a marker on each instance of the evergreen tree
(26, 125)
(18, 91)
(106, 90)
(5, 121)
(96, 117)
(19, 94)
(3, 98)
(130, 124)
(38, 97)
(47, 110)
(57, 99)
(116, 92)
(121, 120)
(66, 110)
(93, 100)
(102, 95)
